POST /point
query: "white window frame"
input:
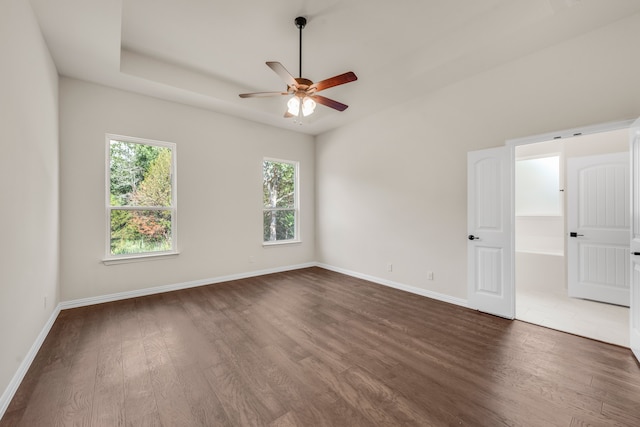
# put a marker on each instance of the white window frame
(143, 256)
(296, 202)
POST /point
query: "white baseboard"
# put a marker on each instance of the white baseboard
(407, 288)
(176, 287)
(11, 389)
(26, 363)
(185, 285)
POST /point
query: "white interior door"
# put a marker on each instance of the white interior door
(598, 223)
(634, 307)
(489, 226)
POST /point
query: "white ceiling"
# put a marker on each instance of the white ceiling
(206, 52)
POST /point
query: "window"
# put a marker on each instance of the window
(280, 201)
(537, 187)
(141, 197)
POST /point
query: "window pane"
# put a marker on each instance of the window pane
(537, 185)
(278, 184)
(140, 174)
(279, 225)
(140, 231)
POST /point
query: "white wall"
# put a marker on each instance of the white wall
(392, 187)
(28, 185)
(219, 174)
(616, 141)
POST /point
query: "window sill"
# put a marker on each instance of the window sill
(139, 258)
(281, 242)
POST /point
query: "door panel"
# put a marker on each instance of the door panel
(489, 268)
(634, 307)
(598, 217)
(489, 253)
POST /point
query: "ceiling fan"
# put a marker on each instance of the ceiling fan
(304, 91)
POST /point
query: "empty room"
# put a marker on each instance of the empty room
(299, 213)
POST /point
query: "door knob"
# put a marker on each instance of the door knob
(472, 237)
(574, 234)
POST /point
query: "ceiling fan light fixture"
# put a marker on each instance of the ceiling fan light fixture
(308, 106)
(294, 106)
(298, 104)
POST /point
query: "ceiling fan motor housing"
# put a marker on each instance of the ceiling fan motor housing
(303, 83)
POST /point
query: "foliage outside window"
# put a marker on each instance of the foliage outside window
(141, 201)
(280, 204)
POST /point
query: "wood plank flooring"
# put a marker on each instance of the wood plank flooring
(316, 348)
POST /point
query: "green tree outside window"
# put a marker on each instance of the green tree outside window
(141, 191)
(279, 200)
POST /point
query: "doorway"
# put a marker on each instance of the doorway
(541, 267)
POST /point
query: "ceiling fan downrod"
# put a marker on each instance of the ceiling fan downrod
(301, 22)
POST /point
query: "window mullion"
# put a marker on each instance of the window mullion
(279, 209)
(142, 208)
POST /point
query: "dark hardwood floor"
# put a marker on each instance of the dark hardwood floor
(317, 348)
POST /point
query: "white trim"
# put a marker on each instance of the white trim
(280, 242)
(139, 258)
(11, 389)
(176, 287)
(568, 133)
(401, 286)
(203, 282)
(137, 140)
(538, 217)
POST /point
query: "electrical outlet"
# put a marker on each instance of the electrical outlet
(430, 275)
(389, 267)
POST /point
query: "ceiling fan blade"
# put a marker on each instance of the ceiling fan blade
(262, 94)
(283, 73)
(330, 102)
(288, 115)
(334, 81)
